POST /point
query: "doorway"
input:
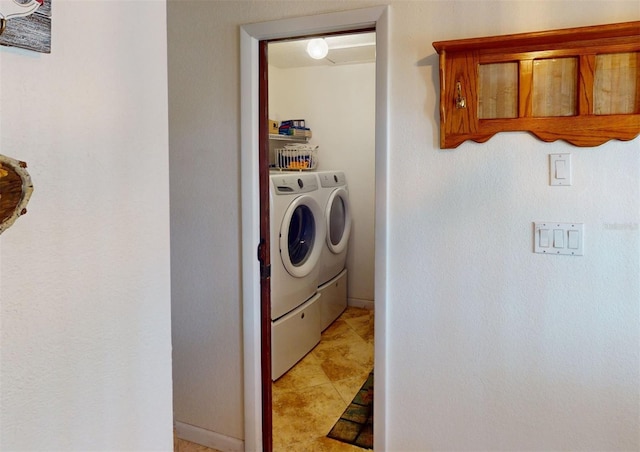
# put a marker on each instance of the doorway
(335, 95)
(251, 35)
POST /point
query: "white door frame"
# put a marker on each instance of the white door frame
(250, 35)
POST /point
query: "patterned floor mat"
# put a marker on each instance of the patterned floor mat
(355, 426)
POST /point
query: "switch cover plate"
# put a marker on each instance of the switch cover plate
(559, 169)
(559, 238)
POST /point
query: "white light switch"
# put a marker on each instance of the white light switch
(559, 238)
(544, 238)
(574, 239)
(559, 169)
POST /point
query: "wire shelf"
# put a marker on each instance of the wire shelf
(298, 157)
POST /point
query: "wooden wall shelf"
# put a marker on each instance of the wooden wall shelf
(581, 85)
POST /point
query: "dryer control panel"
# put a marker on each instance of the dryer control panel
(332, 179)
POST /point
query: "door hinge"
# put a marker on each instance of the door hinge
(265, 270)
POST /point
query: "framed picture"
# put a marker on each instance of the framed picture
(26, 24)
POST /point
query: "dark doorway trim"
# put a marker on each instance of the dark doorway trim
(264, 247)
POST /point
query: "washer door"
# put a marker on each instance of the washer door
(301, 236)
(338, 217)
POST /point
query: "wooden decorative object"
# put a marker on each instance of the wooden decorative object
(581, 85)
(15, 191)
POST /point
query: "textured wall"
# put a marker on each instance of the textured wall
(205, 222)
(489, 346)
(85, 302)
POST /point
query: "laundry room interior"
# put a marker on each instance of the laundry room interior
(336, 98)
(332, 102)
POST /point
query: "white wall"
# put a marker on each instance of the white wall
(338, 104)
(205, 240)
(493, 346)
(489, 346)
(85, 302)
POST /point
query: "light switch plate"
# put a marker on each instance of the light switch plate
(559, 169)
(558, 238)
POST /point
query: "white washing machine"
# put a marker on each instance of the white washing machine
(334, 198)
(297, 239)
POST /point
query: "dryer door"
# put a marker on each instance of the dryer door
(301, 236)
(338, 217)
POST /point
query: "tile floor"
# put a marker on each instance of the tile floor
(181, 445)
(309, 398)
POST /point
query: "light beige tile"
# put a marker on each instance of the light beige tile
(347, 357)
(352, 312)
(362, 325)
(324, 444)
(305, 374)
(181, 445)
(341, 335)
(301, 416)
(349, 387)
(338, 330)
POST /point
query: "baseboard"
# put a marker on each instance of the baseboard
(360, 303)
(208, 438)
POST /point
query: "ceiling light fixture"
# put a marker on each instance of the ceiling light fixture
(318, 48)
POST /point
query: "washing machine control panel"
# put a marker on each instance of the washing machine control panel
(287, 184)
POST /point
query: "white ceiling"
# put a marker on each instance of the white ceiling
(343, 49)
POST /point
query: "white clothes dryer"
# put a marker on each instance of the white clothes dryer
(297, 239)
(334, 197)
